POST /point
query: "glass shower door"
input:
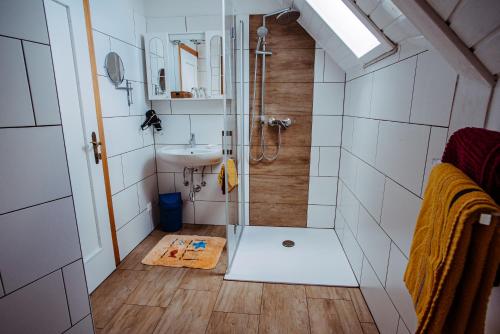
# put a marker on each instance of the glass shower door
(233, 133)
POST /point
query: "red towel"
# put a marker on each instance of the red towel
(476, 152)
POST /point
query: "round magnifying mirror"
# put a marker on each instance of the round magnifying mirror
(114, 67)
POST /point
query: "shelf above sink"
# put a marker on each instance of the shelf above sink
(196, 156)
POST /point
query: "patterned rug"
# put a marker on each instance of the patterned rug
(191, 251)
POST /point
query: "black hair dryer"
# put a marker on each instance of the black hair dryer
(151, 119)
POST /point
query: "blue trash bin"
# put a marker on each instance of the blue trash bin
(171, 212)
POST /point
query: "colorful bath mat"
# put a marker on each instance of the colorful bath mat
(191, 251)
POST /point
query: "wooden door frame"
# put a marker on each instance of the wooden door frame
(100, 127)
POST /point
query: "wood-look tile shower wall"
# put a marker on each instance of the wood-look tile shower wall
(279, 189)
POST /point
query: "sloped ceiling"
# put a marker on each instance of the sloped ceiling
(383, 13)
(477, 23)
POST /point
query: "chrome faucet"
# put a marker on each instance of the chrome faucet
(192, 140)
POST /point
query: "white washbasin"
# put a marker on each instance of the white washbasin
(199, 155)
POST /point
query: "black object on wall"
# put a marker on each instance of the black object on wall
(151, 119)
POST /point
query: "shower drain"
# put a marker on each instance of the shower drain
(288, 243)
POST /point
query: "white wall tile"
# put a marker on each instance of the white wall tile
(83, 327)
(364, 139)
(320, 216)
(132, 58)
(56, 243)
(125, 206)
(392, 91)
(412, 46)
(314, 161)
(374, 242)
(210, 213)
(207, 128)
(25, 20)
(119, 25)
(435, 152)
(148, 136)
(148, 192)
(44, 301)
(102, 46)
(347, 132)
(15, 111)
(197, 107)
(385, 13)
(401, 153)
(32, 174)
(162, 107)
(383, 311)
(367, 6)
(138, 165)
(212, 191)
(123, 134)
(353, 252)
(359, 96)
(326, 131)
(113, 101)
(401, 29)
(319, 64)
(329, 161)
(370, 189)
(397, 290)
(134, 232)
(116, 174)
(333, 72)
(166, 183)
(349, 207)
(180, 187)
(203, 23)
(173, 24)
(434, 89)
(322, 190)
(349, 169)
(176, 130)
(328, 99)
(340, 225)
(187, 212)
(402, 328)
(42, 83)
(76, 291)
(399, 214)
(140, 100)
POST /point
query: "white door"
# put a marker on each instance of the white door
(70, 53)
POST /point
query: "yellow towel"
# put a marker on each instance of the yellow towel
(453, 259)
(232, 173)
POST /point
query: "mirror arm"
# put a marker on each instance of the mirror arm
(128, 87)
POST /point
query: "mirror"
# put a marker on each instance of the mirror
(157, 64)
(114, 68)
(185, 65)
(188, 53)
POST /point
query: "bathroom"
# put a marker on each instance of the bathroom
(327, 136)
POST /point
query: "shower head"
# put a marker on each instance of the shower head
(262, 31)
(288, 16)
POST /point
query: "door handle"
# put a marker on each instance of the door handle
(95, 147)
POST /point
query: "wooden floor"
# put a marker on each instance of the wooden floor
(152, 299)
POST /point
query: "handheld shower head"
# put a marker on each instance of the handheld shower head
(262, 31)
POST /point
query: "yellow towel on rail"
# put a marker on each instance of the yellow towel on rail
(232, 176)
(453, 258)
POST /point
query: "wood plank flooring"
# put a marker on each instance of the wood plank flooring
(144, 299)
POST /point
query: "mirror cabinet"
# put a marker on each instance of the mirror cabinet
(185, 65)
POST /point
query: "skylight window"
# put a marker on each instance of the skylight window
(346, 25)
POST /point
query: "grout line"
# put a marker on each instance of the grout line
(29, 82)
(413, 87)
(399, 122)
(426, 158)
(118, 39)
(84, 317)
(30, 126)
(34, 205)
(39, 278)
(388, 261)
(135, 149)
(24, 39)
(67, 300)
(457, 79)
(3, 286)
